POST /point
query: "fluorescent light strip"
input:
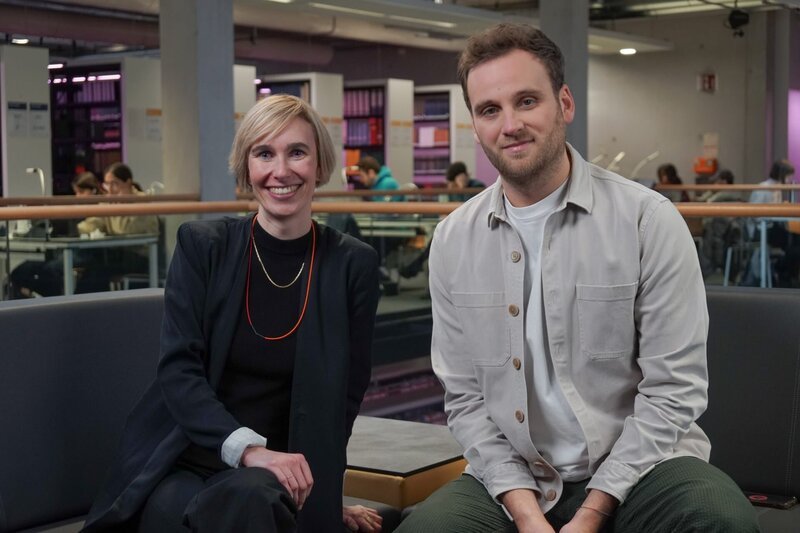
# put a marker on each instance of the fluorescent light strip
(281, 1)
(79, 79)
(20, 41)
(104, 77)
(627, 51)
(349, 10)
(436, 23)
(53, 66)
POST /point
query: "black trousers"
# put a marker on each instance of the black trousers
(246, 500)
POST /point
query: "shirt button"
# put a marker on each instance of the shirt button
(517, 363)
(515, 256)
(520, 416)
(513, 310)
(551, 495)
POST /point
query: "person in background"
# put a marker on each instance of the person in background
(569, 329)
(117, 181)
(86, 184)
(780, 173)
(725, 177)
(458, 178)
(265, 356)
(668, 175)
(377, 177)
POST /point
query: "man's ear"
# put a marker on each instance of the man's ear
(567, 103)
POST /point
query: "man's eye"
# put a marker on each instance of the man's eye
(489, 111)
(527, 102)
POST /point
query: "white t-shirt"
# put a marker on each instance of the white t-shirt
(554, 429)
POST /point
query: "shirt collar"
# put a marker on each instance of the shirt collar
(579, 190)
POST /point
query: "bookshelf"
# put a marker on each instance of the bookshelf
(86, 121)
(324, 92)
(442, 133)
(377, 122)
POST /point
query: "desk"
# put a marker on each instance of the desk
(400, 226)
(69, 244)
(399, 463)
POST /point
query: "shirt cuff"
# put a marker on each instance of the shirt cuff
(237, 442)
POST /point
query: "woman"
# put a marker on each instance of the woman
(265, 356)
(668, 175)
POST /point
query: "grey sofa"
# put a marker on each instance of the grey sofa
(72, 367)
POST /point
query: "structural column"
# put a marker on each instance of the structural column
(567, 23)
(197, 96)
(779, 83)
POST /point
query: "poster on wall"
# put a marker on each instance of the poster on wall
(17, 119)
(39, 120)
(152, 124)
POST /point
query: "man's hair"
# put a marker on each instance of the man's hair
(269, 117)
(725, 176)
(780, 170)
(503, 38)
(455, 169)
(120, 171)
(669, 171)
(368, 163)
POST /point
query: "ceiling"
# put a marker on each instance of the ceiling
(271, 29)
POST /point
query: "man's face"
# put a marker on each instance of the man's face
(518, 120)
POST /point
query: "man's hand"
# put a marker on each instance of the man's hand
(593, 513)
(525, 510)
(291, 469)
(360, 518)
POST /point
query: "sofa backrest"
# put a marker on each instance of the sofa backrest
(71, 368)
(753, 417)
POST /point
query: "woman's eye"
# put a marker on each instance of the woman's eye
(297, 153)
(264, 155)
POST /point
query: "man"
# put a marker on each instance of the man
(569, 329)
(458, 179)
(378, 178)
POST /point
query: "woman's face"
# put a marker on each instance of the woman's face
(283, 172)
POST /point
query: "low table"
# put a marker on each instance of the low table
(399, 463)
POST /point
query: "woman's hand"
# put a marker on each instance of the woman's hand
(360, 518)
(291, 469)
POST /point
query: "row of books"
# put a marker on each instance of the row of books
(431, 165)
(432, 106)
(363, 131)
(363, 102)
(88, 92)
(431, 136)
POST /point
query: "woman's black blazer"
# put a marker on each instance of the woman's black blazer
(203, 299)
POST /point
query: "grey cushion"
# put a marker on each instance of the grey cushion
(71, 369)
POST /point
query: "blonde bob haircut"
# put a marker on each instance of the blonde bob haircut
(269, 117)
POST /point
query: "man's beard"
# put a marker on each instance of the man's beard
(539, 168)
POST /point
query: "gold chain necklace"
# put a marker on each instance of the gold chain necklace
(258, 256)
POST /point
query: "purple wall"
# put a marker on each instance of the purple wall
(794, 130)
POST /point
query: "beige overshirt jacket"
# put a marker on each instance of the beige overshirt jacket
(626, 324)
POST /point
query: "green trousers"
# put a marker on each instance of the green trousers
(682, 495)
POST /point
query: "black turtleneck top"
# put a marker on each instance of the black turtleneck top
(256, 384)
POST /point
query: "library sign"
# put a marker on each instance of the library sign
(28, 120)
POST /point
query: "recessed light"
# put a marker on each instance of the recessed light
(53, 66)
(627, 51)
(20, 41)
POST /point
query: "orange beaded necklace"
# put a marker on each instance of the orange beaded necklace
(308, 284)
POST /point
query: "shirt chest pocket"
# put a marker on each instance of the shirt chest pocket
(483, 322)
(605, 320)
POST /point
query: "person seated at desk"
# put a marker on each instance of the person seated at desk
(725, 177)
(46, 278)
(118, 181)
(458, 178)
(668, 175)
(377, 177)
(265, 356)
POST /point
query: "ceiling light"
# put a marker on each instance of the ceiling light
(627, 51)
(20, 41)
(349, 10)
(257, 81)
(53, 66)
(79, 79)
(281, 1)
(436, 23)
(104, 77)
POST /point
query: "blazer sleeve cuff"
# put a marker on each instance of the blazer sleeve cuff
(614, 478)
(237, 442)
